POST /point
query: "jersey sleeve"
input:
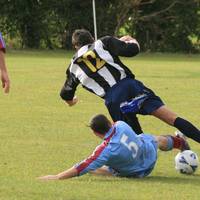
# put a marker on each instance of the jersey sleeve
(68, 90)
(98, 159)
(2, 44)
(120, 48)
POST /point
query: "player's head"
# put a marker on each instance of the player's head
(100, 124)
(81, 37)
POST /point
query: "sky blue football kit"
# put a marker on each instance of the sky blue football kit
(124, 152)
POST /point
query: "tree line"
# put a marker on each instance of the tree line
(158, 25)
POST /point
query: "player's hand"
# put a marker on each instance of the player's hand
(48, 177)
(129, 39)
(73, 101)
(5, 81)
(126, 38)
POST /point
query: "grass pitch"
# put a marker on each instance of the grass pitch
(41, 135)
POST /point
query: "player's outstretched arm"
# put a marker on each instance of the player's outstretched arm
(102, 171)
(63, 175)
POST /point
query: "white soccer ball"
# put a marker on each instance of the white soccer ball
(186, 162)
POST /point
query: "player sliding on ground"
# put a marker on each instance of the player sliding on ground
(122, 152)
(98, 68)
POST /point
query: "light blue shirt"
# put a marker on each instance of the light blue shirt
(124, 152)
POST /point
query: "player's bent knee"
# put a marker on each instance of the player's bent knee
(162, 142)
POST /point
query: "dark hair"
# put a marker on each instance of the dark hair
(81, 37)
(100, 124)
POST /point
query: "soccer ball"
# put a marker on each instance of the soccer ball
(186, 162)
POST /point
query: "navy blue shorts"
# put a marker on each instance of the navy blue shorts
(126, 90)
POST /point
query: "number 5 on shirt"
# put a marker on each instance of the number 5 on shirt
(132, 146)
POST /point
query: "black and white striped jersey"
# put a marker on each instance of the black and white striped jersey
(97, 66)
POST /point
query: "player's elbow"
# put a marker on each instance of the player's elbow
(62, 95)
(66, 95)
(130, 50)
(133, 50)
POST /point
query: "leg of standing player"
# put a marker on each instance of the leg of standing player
(119, 93)
(129, 118)
(187, 128)
(154, 106)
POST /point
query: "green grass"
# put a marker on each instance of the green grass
(41, 135)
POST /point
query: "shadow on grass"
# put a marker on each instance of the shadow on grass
(185, 179)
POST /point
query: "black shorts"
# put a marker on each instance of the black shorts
(126, 90)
